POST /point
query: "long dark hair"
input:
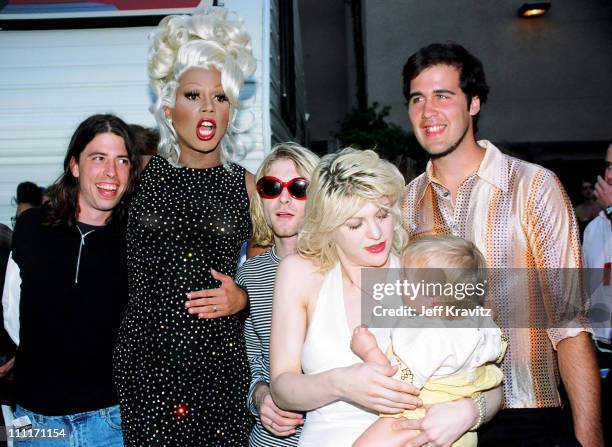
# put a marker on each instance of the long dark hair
(63, 194)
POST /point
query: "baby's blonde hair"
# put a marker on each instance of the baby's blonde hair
(458, 260)
(443, 251)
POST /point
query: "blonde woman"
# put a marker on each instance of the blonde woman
(352, 221)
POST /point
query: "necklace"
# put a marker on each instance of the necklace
(386, 269)
(350, 280)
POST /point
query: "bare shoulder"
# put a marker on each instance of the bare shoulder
(295, 262)
(295, 269)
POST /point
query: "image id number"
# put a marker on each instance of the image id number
(35, 433)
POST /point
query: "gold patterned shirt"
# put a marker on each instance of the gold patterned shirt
(520, 217)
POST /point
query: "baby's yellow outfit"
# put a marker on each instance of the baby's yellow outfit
(447, 363)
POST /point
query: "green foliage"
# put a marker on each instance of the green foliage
(369, 130)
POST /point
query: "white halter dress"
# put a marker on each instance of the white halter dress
(327, 346)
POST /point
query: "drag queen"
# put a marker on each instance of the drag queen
(183, 380)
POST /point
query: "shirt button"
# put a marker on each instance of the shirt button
(446, 193)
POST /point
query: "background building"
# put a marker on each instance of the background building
(62, 60)
(551, 90)
(550, 77)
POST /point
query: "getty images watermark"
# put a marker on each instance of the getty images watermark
(431, 299)
(510, 298)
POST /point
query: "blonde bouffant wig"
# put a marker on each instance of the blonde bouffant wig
(340, 186)
(212, 38)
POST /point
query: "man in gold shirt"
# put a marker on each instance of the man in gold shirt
(519, 216)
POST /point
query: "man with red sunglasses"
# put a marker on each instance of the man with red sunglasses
(277, 213)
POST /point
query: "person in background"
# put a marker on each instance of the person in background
(66, 291)
(146, 139)
(597, 249)
(603, 187)
(6, 237)
(7, 347)
(28, 195)
(588, 209)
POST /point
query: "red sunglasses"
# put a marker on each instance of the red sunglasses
(270, 187)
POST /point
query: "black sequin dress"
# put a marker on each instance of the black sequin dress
(183, 381)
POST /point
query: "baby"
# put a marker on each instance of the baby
(448, 356)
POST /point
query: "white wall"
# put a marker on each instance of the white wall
(51, 80)
(254, 117)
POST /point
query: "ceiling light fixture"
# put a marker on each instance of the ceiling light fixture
(528, 10)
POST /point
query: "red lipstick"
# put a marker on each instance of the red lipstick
(206, 129)
(377, 248)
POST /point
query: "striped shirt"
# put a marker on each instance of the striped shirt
(519, 216)
(257, 275)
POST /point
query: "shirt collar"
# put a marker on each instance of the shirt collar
(273, 254)
(493, 169)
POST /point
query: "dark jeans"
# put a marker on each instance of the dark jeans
(528, 427)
